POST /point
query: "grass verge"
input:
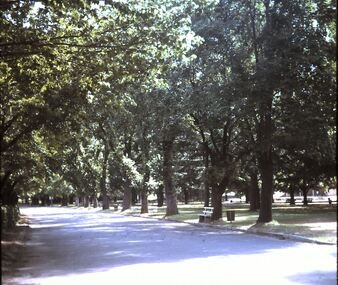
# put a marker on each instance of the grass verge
(317, 222)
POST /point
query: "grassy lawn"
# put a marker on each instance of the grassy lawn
(314, 221)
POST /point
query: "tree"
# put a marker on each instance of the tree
(77, 52)
(216, 99)
(105, 98)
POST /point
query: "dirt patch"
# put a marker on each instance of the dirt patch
(13, 247)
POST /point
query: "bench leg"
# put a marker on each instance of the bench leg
(207, 219)
(201, 219)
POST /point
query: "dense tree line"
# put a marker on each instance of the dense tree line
(103, 100)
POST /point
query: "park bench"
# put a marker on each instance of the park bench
(207, 215)
(135, 209)
(153, 210)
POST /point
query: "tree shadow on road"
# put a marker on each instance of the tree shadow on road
(72, 242)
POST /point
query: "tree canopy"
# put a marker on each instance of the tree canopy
(118, 99)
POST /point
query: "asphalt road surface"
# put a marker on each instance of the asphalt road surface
(80, 246)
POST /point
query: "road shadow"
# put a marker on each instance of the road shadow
(68, 241)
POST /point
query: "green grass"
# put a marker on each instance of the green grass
(314, 221)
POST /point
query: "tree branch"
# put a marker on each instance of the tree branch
(213, 141)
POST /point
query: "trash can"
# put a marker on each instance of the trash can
(230, 215)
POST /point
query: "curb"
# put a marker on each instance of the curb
(280, 236)
(291, 237)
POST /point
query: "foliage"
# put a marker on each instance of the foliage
(98, 99)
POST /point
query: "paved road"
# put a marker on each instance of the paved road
(79, 246)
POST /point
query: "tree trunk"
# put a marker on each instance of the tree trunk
(144, 191)
(134, 198)
(254, 193)
(217, 190)
(71, 198)
(206, 196)
(12, 216)
(86, 201)
(304, 190)
(103, 186)
(160, 196)
(127, 195)
(43, 200)
(81, 200)
(264, 128)
(216, 201)
(264, 156)
(206, 180)
(95, 202)
(77, 201)
(144, 200)
(170, 193)
(292, 196)
(64, 201)
(305, 201)
(186, 196)
(265, 213)
(247, 193)
(105, 202)
(26, 198)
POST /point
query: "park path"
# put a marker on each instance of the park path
(80, 246)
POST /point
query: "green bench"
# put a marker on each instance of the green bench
(207, 215)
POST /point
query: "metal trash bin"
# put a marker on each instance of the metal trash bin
(230, 215)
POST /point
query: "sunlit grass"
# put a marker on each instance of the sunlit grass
(313, 221)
